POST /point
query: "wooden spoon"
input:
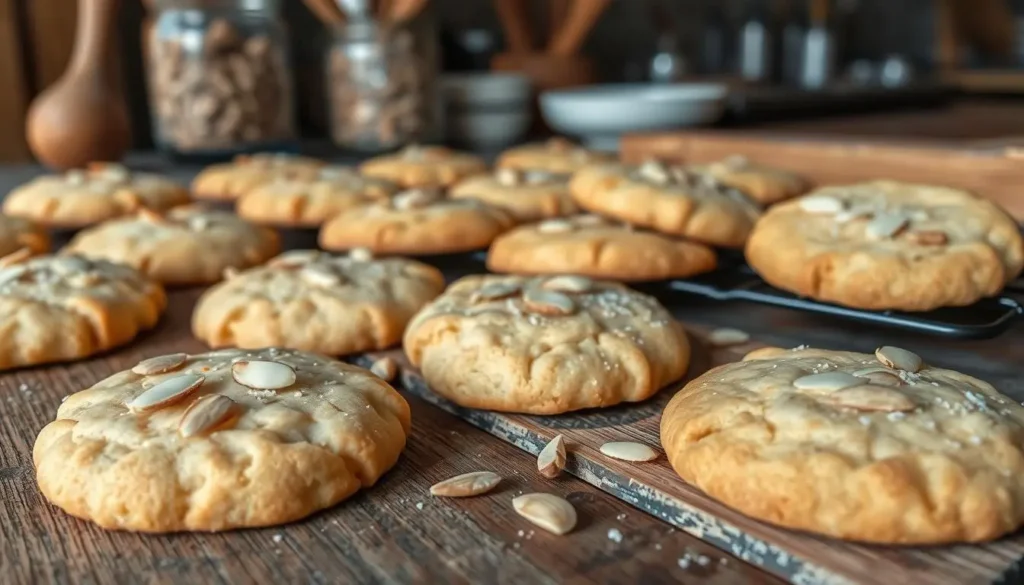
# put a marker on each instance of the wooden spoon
(82, 118)
(581, 18)
(516, 24)
(327, 11)
(402, 10)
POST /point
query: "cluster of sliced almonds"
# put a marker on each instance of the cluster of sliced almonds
(867, 389)
(508, 177)
(550, 298)
(415, 198)
(883, 225)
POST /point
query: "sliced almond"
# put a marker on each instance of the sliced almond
(899, 359)
(495, 291)
(469, 484)
(70, 265)
(655, 172)
(822, 204)
(508, 177)
(167, 393)
(548, 302)
(16, 257)
(206, 414)
(880, 376)
(827, 381)
(360, 254)
(548, 511)
(414, 198)
(872, 398)
(263, 375)
(928, 237)
(727, 336)
(885, 226)
(160, 364)
(589, 220)
(629, 451)
(295, 258)
(569, 284)
(320, 275)
(856, 212)
(551, 459)
(386, 368)
(555, 226)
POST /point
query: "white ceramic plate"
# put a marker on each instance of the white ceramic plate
(600, 114)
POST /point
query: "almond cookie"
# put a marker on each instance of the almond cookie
(229, 181)
(58, 308)
(424, 166)
(310, 201)
(187, 245)
(314, 301)
(220, 440)
(765, 185)
(528, 195)
(17, 233)
(593, 246)
(557, 155)
(673, 200)
(417, 222)
(879, 448)
(80, 198)
(545, 345)
(888, 245)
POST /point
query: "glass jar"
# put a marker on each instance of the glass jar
(382, 85)
(219, 82)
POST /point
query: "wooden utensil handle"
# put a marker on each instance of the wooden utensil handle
(516, 24)
(327, 11)
(402, 10)
(95, 26)
(582, 16)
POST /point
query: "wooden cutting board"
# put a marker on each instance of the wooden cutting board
(655, 489)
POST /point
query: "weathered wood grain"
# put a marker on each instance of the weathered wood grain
(379, 536)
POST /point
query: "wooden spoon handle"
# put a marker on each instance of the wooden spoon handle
(402, 10)
(327, 11)
(516, 24)
(96, 22)
(582, 16)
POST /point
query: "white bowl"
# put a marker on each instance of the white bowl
(600, 114)
(486, 110)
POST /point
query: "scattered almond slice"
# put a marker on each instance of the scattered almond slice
(822, 204)
(880, 375)
(469, 484)
(569, 284)
(385, 368)
(166, 393)
(508, 177)
(320, 275)
(629, 451)
(548, 511)
(414, 198)
(263, 375)
(554, 226)
(885, 226)
(928, 237)
(654, 171)
(548, 302)
(551, 459)
(206, 414)
(160, 364)
(495, 291)
(899, 359)
(726, 336)
(827, 381)
(872, 398)
(360, 254)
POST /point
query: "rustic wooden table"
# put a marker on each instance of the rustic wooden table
(395, 532)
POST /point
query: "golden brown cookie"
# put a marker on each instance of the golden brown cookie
(599, 248)
(557, 155)
(881, 448)
(81, 198)
(888, 245)
(763, 184)
(424, 166)
(545, 345)
(529, 195)
(417, 222)
(229, 181)
(315, 301)
(58, 308)
(672, 200)
(311, 200)
(186, 246)
(17, 233)
(220, 440)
